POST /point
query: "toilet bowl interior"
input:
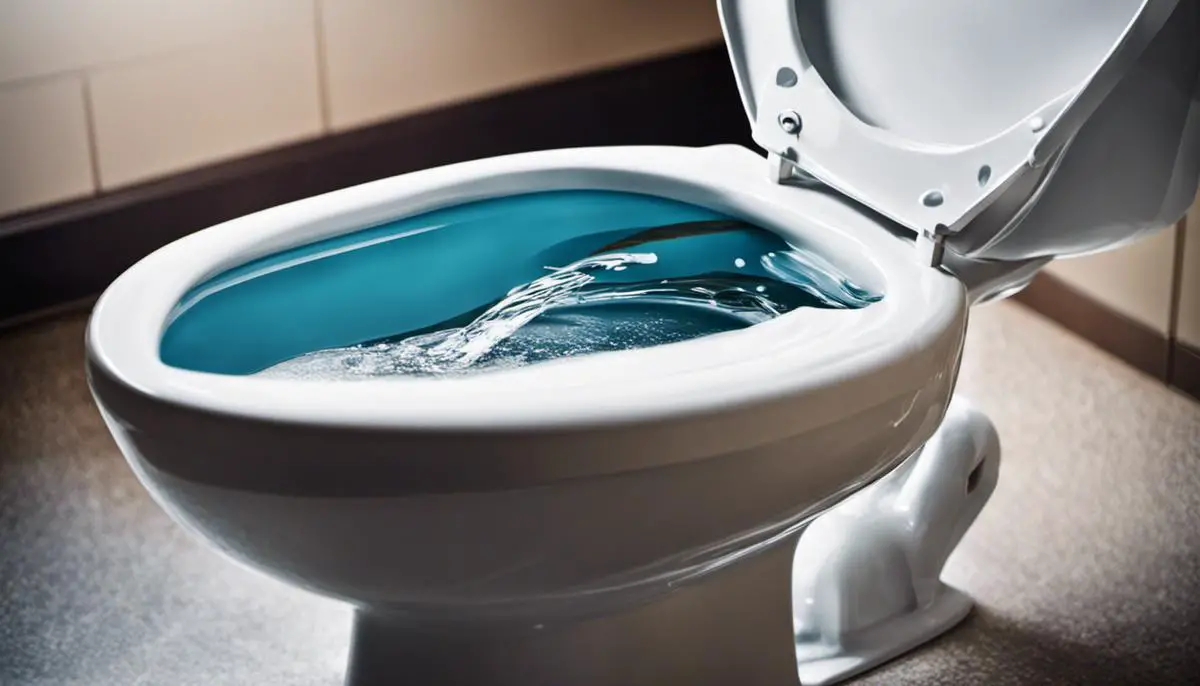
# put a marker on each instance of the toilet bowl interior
(660, 271)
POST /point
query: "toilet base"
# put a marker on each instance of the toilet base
(821, 665)
(867, 587)
(858, 586)
(732, 627)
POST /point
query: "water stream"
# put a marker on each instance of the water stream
(609, 301)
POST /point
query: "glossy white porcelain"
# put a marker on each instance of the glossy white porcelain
(577, 489)
(813, 351)
(1024, 130)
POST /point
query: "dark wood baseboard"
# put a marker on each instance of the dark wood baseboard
(1131, 341)
(67, 253)
(1185, 369)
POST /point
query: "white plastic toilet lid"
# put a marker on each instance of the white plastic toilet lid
(927, 111)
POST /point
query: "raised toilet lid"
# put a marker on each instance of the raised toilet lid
(931, 111)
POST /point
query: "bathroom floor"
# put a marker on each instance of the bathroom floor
(1086, 564)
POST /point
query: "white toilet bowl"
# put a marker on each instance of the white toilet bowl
(639, 516)
(556, 492)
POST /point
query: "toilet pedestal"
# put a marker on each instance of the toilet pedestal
(733, 627)
(857, 587)
(866, 584)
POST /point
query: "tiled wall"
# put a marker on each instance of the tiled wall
(1136, 281)
(100, 94)
(45, 151)
(1189, 292)
(1141, 281)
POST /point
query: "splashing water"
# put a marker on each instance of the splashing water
(460, 348)
(604, 302)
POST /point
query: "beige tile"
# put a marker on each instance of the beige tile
(1189, 300)
(39, 37)
(162, 115)
(387, 58)
(44, 154)
(1135, 281)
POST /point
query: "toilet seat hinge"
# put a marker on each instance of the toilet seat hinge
(931, 246)
(783, 170)
(779, 168)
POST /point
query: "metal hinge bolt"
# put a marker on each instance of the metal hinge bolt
(790, 122)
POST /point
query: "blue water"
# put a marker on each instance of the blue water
(499, 283)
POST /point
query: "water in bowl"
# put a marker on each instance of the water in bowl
(662, 285)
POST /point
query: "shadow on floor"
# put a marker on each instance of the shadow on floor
(995, 649)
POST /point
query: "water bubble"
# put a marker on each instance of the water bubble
(739, 263)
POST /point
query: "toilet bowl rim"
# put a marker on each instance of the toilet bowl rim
(903, 335)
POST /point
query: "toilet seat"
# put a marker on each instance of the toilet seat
(836, 360)
(938, 181)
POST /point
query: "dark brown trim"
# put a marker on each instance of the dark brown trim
(1185, 374)
(1131, 341)
(72, 251)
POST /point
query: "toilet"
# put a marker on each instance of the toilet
(748, 498)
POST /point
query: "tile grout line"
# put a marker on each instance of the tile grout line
(89, 117)
(1176, 297)
(322, 68)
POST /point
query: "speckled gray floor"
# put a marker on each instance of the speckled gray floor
(1086, 563)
